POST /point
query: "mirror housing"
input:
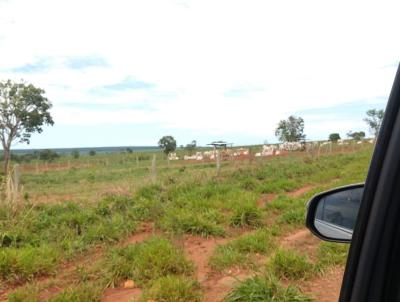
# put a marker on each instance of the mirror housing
(331, 215)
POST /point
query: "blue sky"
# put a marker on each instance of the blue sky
(130, 73)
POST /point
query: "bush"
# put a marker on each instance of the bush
(48, 155)
(75, 154)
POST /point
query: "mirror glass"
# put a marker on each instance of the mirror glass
(336, 213)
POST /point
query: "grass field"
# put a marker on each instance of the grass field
(86, 228)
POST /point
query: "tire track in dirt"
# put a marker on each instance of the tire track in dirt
(302, 241)
(215, 285)
(199, 250)
(121, 294)
(66, 273)
(325, 288)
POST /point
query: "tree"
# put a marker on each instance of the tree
(48, 155)
(356, 135)
(23, 110)
(374, 120)
(167, 143)
(191, 147)
(334, 137)
(290, 130)
(75, 154)
(92, 153)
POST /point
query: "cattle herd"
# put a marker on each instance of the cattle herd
(267, 150)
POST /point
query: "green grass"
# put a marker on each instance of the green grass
(80, 293)
(173, 289)
(242, 251)
(27, 293)
(290, 265)
(246, 214)
(330, 254)
(25, 263)
(111, 197)
(146, 261)
(181, 220)
(265, 288)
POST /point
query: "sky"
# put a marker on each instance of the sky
(124, 73)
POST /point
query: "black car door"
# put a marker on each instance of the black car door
(373, 266)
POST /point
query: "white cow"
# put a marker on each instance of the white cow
(172, 156)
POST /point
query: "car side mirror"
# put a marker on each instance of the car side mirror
(332, 215)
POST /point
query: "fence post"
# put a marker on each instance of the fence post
(37, 168)
(137, 161)
(218, 157)
(153, 169)
(319, 150)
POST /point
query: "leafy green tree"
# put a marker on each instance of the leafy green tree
(167, 143)
(23, 110)
(48, 155)
(92, 153)
(374, 120)
(334, 137)
(290, 130)
(75, 154)
(359, 135)
(191, 147)
(129, 150)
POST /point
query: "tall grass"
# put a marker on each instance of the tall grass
(265, 288)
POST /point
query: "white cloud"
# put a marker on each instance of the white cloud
(290, 55)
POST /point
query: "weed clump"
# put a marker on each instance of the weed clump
(291, 265)
(27, 262)
(242, 251)
(246, 214)
(330, 254)
(146, 261)
(173, 289)
(265, 288)
(181, 220)
(80, 293)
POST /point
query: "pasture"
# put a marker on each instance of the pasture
(110, 227)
